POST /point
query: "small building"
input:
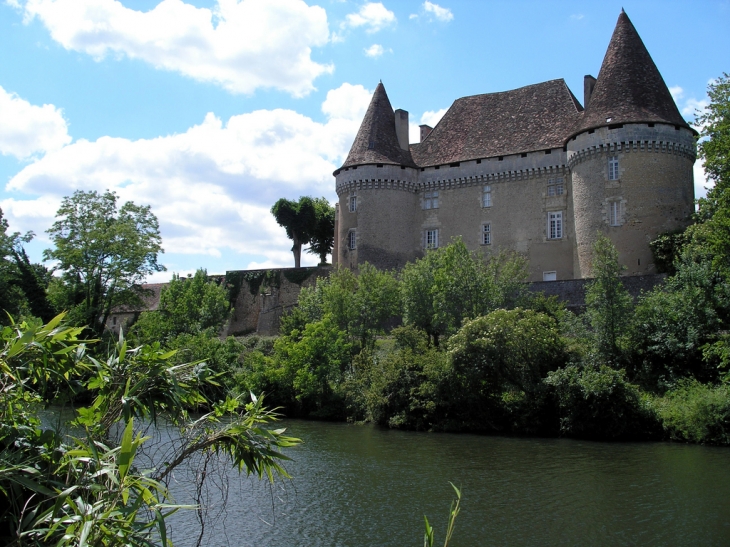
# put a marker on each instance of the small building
(529, 169)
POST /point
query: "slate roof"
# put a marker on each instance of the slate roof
(377, 141)
(629, 88)
(535, 117)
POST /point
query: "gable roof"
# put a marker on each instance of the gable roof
(629, 87)
(377, 141)
(530, 118)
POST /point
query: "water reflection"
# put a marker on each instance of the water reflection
(361, 486)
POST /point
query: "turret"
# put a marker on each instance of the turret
(631, 157)
(376, 187)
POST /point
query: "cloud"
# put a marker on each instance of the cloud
(701, 182)
(577, 17)
(239, 45)
(677, 92)
(374, 16)
(26, 129)
(347, 102)
(374, 51)
(430, 118)
(437, 12)
(212, 186)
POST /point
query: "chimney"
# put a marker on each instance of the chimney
(425, 131)
(589, 82)
(401, 128)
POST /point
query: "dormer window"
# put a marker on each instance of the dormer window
(371, 145)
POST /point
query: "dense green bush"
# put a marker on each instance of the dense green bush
(696, 412)
(599, 403)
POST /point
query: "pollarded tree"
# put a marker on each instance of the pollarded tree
(299, 219)
(104, 252)
(323, 234)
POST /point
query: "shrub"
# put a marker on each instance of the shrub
(600, 404)
(696, 412)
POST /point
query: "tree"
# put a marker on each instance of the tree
(714, 146)
(22, 284)
(104, 252)
(323, 234)
(608, 303)
(299, 219)
(187, 306)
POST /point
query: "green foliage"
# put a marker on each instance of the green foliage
(56, 491)
(451, 284)
(104, 252)
(314, 363)
(696, 412)
(714, 146)
(187, 306)
(608, 304)
(323, 234)
(599, 403)
(453, 513)
(299, 219)
(674, 322)
(666, 250)
(507, 350)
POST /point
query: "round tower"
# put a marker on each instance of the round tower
(376, 187)
(631, 158)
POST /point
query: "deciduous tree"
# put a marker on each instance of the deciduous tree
(104, 252)
(323, 234)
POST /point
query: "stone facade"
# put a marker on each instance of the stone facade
(530, 170)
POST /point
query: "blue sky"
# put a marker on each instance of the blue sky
(209, 111)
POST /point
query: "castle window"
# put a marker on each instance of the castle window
(549, 276)
(487, 197)
(432, 239)
(555, 225)
(371, 145)
(352, 239)
(613, 168)
(114, 320)
(431, 200)
(353, 204)
(614, 213)
(486, 234)
(555, 186)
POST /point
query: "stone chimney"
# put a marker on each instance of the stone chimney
(401, 128)
(589, 82)
(425, 131)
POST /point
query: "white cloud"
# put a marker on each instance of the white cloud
(27, 129)
(374, 51)
(701, 182)
(213, 185)
(577, 16)
(374, 16)
(677, 92)
(239, 45)
(430, 118)
(347, 102)
(692, 106)
(437, 12)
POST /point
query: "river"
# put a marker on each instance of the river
(358, 486)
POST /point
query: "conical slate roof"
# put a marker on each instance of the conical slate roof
(629, 88)
(377, 141)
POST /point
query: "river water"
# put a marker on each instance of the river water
(357, 486)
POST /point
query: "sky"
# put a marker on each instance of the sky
(209, 111)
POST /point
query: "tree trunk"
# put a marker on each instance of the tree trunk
(297, 250)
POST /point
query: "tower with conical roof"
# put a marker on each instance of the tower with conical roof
(630, 156)
(376, 187)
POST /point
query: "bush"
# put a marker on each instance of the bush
(696, 412)
(600, 404)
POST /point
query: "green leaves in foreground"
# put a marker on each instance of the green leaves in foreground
(453, 513)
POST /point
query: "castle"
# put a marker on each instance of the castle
(529, 170)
